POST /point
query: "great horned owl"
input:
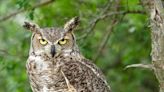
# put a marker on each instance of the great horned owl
(56, 65)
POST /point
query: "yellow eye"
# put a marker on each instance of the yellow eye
(43, 41)
(63, 41)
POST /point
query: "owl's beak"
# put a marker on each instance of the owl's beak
(53, 50)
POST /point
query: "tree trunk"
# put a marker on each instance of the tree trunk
(156, 12)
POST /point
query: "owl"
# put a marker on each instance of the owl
(55, 63)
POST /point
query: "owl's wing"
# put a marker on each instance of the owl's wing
(84, 75)
(72, 74)
(95, 70)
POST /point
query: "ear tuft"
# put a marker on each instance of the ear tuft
(31, 26)
(72, 24)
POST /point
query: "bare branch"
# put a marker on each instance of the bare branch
(104, 41)
(107, 35)
(114, 22)
(146, 66)
(23, 10)
(93, 23)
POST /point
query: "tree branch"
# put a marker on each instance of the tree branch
(23, 10)
(93, 23)
(146, 66)
(105, 40)
(107, 34)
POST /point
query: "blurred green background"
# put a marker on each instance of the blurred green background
(121, 39)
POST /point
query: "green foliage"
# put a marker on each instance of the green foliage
(129, 42)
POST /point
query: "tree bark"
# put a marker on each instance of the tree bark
(156, 12)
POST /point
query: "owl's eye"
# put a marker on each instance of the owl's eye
(63, 41)
(43, 41)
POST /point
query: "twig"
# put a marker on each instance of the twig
(101, 17)
(23, 10)
(105, 40)
(107, 34)
(95, 21)
(146, 66)
(114, 22)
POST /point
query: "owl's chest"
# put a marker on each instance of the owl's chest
(38, 64)
(44, 71)
(50, 74)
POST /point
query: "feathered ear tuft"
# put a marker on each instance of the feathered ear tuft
(72, 24)
(31, 26)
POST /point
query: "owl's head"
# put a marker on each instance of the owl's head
(52, 41)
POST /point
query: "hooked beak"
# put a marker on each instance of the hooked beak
(53, 50)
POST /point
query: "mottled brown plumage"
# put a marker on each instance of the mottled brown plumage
(56, 65)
